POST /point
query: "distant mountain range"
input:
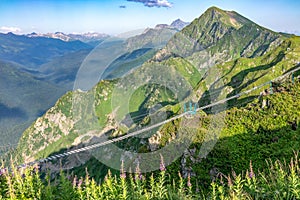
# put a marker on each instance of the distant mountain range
(90, 37)
(31, 52)
(84, 37)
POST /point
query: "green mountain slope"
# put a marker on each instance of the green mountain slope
(151, 38)
(265, 128)
(128, 62)
(254, 55)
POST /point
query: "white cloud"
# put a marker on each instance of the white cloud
(154, 3)
(6, 29)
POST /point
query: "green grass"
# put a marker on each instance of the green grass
(185, 69)
(254, 133)
(280, 180)
(104, 107)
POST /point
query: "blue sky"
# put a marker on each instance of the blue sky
(118, 16)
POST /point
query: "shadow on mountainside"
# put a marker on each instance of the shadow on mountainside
(237, 83)
(7, 112)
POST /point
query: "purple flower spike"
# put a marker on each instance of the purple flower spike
(141, 177)
(189, 184)
(138, 177)
(251, 174)
(75, 181)
(229, 181)
(162, 166)
(123, 175)
(80, 182)
(137, 169)
(138, 174)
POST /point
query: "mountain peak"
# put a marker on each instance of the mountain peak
(219, 11)
(179, 24)
(217, 27)
(213, 24)
(161, 26)
(215, 9)
(229, 18)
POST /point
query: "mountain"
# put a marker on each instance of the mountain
(26, 90)
(32, 52)
(54, 67)
(89, 37)
(179, 24)
(62, 70)
(218, 55)
(22, 99)
(24, 94)
(221, 35)
(152, 37)
(137, 50)
(133, 52)
(161, 26)
(128, 62)
(56, 35)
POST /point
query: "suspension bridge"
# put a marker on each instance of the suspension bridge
(138, 132)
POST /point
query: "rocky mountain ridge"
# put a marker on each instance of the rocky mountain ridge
(84, 37)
